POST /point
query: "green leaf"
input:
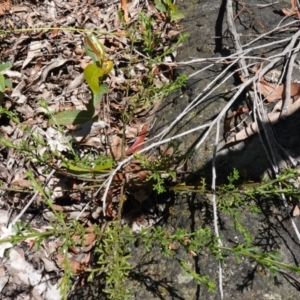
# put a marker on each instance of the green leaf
(2, 84)
(94, 104)
(92, 73)
(71, 117)
(77, 168)
(176, 15)
(91, 53)
(96, 46)
(5, 66)
(8, 83)
(161, 7)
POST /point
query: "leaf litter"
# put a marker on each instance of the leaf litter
(47, 78)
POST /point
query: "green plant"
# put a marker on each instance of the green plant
(161, 169)
(4, 82)
(170, 244)
(113, 252)
(114, 243)
(92, 165)
(167, 7)
(149, 36)
(93, 74)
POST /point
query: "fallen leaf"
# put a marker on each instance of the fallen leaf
(139, 141)
(273, 92)
(116, 146)
(75, 266)
(4, 6)
(124, 8)
(293, 11)
(51, 66)
(296, 211)
(54, 33)
(88, 238)
(236, 113)
(21, 270)
(273, 117)
(34, 50)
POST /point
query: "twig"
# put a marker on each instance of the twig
(288, 25)
(214, 203)
(198, 99)
(264, 5)
(263, 119)
(235, 37)
(288, 100)
(285, 273)
(244, 7)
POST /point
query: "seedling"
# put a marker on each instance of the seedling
(171, 10)
(149, 36)
(94, 74)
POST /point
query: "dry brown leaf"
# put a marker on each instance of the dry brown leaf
(88, 238)
(166, 150)
(49, 265)
(57, 207)
(270, 92)
(21, 183)
(273, 117)
(11, 24)
(133, 8)
(75, 3)
(111, 210)
(116, 147)
(35, 48)
(75, 266)
(236, 113)
(54, 33)
(295, 211)
(139, 141)
(87, 258)
(124, 8)
(131, 132)
(4, 6)
(294, 11)
(273, 92)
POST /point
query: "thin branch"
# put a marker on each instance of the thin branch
(235, 37)
(288, 100)
(214, 204)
